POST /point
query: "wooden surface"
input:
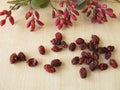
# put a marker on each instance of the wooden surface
(18, 38)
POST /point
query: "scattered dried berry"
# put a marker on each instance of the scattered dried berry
(13, 58)
(41, 49)
(64, 44)
(75, 60)
(56, 63)
(49, 68)
(107, 55)
(58, 35)
(56, 49)
(81, 60)
(103, 66)
(83, 46)
(110, 48)
(32, 62)
(93, 65)
(83, 72)
(113, 63)
(95, 39)
(55, 41)
(72, 46)
(79, 41)
(21, 56)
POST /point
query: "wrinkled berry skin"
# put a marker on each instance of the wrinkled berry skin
(113, 63)
(72, 46)
(56, 63)
(93, 65)
(49, 68)
(41, 49)
(32, 62)
(102, 66)
(21, 56)
(13, 58)
(83, 72)
(75, 60)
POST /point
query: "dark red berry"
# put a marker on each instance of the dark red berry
(49, 68)
(13, 58)
(83, 46)
(55, 41)
(83, 72)
(86, 54)
(95, 56)
(21, 56)
(111, 48)
(64, 44)
(93, 65)
(56, 63)
(95, 39)
(107, 55)
(41, 49)
(58, 35)
(81, 60)
(72, 46)
(32, 62)
(102, 50)
(79, 41)
(88, 60)
(103, 66)
(113, 63)
(56, 49)
(75, 60)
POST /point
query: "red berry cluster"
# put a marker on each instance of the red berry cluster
(7, 16)
(64, 16)
(98, 12)
(34, 17)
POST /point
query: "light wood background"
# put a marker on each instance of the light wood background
(18, 38)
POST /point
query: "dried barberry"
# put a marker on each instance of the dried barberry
(56, 49)
(103, 66)
(64, 44)
(83, 72)
(21, 56)
(32, 62)
(72, 46)
(93, 65)
(58, 35)
(79, 41)
(41, 49)
(56, 63)
(81, 60)
(49, 68)
(13, 58)
(75, 60)
(113, 63)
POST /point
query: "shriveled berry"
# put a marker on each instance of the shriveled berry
(92, 46)
(55, 41)
(79, 41)
(88, 60)
(111, 48)
(58, 35)
(95, 39)
(72, 46)
(86, 54)
(32, 62)
(64, 44)
(95, 56)
(107, 55)
(102, 50)
(83, 46)
(83, 72)
(41, 49)
(93, 65)
(81, 60)
(13, 58)
(103, 66)
(56, 49)
(49, 68)
(75, 60)
(113, 63)
(21, 56)
(56, 63)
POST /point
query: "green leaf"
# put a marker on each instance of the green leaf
(81, 4)
(44, 4)
(38, 3)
